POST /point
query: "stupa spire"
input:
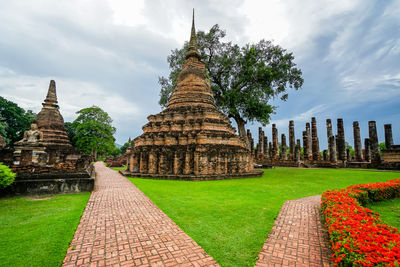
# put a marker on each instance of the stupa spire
(192, 51)
(51, 97)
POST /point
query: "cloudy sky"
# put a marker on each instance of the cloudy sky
(110, 53)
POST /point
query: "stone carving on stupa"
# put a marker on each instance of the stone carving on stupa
(191, 138)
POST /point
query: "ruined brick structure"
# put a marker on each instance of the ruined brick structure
(357, 142)
(363, 158)
(275, 144)
(315, 142)
(388, 136)
(374, 145)
(340, 141)
(391, 155)
(309, 143)
(191, 139)
(284, 147)
(291, 140)
(45, 160)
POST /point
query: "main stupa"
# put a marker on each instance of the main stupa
(190, 139)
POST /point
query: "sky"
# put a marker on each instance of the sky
(110, 53)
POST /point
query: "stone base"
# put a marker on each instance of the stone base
(57, 183)
(358, 165)
(253, 174)
(389, 166)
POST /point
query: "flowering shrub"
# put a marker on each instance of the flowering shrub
(357, 234)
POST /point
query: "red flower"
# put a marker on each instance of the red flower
(357, 234)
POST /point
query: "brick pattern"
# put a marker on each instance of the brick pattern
(122, 227)
(298, 237)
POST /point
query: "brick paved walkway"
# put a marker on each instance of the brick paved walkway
(298, 237)
(122, 227)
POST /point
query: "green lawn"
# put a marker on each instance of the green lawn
(37, 232)
(231, 219)
(389, 211)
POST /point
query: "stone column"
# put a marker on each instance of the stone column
(153, 162)
(270, 151)
(340, 140)
(329, 128)
(292, 138)
(299, 146)
(284, 147)
(305, 145)
(275, 144)
(388, 136)
(374, 145)
(143, 162)
(260, 145)
(188, 157)
(297, 153)
(308, 153)
(367, 151)
(162, 164)
(348, 154)
(177, 163)
(332, 149)
(251, 141)
(325, 155)
(315, 143)
(331, 141)
(265, 143)
(357, 142)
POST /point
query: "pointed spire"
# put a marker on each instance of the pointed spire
(192, 50)
(51, 94)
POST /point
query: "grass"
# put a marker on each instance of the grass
(389, 211)
(231, 219)
(119, 168)
(37, 231)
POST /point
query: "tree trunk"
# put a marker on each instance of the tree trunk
(241, 129)
(240, 123)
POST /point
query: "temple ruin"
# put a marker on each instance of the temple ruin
(191, 139)
(337, 155)
(45, 160)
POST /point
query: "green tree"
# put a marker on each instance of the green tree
(351, 149)
(6, 176)
(14, 121)
(382, 146)
(93, 132)
(71, 131)
(243, 79)
(124, 147)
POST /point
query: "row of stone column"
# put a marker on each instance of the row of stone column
(337, 150)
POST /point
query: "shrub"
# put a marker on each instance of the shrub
(357, 234)
(6, 176)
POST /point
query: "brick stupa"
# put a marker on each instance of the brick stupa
(190, 139)
(50, 121)
(47, 141)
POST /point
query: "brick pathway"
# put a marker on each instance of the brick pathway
(122, 227)
(298, 237)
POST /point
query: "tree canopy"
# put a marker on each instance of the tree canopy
(14, 121)
(243, 79)
(92, 132)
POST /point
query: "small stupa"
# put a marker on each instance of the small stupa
(191, 138)
(47, 141)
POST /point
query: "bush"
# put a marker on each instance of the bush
(357, 234)
(6, 176)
